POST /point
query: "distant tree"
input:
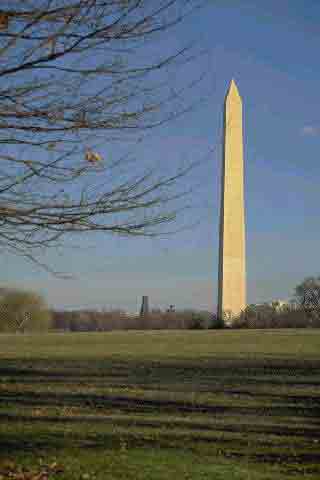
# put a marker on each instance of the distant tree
(156, 310)
(197, 321)
(257, 316)
(308, 291)
(23, 311)
(292, 317)
(272, 316)
(307, 295)
(60, 320)
(217, 322)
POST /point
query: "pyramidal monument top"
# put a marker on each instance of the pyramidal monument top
(233, 91)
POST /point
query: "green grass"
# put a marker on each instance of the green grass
(164, 405)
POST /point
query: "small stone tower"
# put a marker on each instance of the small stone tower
(144, 310)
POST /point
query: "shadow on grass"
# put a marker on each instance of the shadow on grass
(189, 425)
(142, 405)
(242, 378)
(225, 447)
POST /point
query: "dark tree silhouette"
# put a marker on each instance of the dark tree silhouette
(307, 294)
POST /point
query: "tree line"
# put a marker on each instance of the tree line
(102, 321)
(25, 311)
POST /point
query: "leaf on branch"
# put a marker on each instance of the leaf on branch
(92, 157)
(6, 210)
(52, 46)
(4, 21)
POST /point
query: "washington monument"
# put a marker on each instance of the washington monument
(232, 260)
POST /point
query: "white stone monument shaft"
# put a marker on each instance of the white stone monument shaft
(232, 265)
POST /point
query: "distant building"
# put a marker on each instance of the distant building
(279, 304)
(171, 309)
(144, 310)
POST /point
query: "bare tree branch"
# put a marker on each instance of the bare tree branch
(74, 74)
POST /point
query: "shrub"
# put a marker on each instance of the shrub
(217, 322)
(273, 316)
(23, 311)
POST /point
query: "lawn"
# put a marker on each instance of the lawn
(161, 405)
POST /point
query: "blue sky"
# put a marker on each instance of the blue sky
(272, 50)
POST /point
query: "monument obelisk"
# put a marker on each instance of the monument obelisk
(232, 264)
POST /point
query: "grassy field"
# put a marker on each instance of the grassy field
(163, 405)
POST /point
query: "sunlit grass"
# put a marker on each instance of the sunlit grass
(162, 405)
